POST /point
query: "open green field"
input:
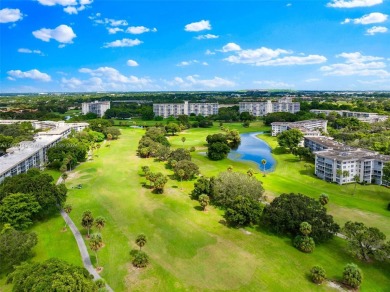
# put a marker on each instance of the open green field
(189, 249)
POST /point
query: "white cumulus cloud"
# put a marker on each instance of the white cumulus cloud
(187, 63)
(71, 10)
(353, 3)
(31, 74)
(71, 6)
(194, 82)
(357, 64)
(376, 29)
(106, 79)
(28, 51)
(207, 36)
(198, 26)
(375, 17)
(58, 2)
(209, 52)
(132, 63)
(10, 15)
(139, 29)
(270, 84)
(269, 57)
(123, 43)
(63, 34)
(108, 21)
(231, 47)
(114, 30)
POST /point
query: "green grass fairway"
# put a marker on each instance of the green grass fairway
(189, 249)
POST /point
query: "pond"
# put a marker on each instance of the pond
(255, 150)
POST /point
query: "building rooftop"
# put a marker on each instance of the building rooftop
(8, 122)
(326, 141)
(26, 149)
(352, 154)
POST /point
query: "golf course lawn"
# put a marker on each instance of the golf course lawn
(189, 249)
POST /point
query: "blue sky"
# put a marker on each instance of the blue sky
(95, 45)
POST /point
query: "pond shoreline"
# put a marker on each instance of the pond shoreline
(254, 149)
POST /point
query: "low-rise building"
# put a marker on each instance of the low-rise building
(260, 109)
(348, 165)
(30, 154)
(361, 116)
(307, 127)
(96, 107)
(175, 109)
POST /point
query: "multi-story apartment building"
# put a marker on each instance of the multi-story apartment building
(96, 107)
(321, 143)
(308, 127)
(29, 154)
(260, 109)
(175, 109)
(343, 165)
(361, 116)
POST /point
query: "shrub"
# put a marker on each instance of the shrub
(317, 274)
(352, 276)
(304, 243)
(100, 283)
(388, 207)
(192, 149)
(141, 260)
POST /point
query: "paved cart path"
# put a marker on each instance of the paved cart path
(81, 244)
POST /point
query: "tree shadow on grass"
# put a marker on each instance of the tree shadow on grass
(145, 186)
(198, 208)
(292, 160)
(307, 172)
(279, 150)
(134, 252)
(172, 177)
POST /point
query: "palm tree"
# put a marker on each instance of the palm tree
(181, 173)
(183, 139)
(95, 243)
(345, 173)
(140, 241)
(324, 199)
(204, 201)
(263, 162)
(64, 176)
(87, 220)
(305, 228)
(100, 222)
(356, 179)
(67, 208)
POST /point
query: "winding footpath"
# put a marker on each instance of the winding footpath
(81, 244)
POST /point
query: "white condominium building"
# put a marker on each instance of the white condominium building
(29, 154)
(322, 143)
(175, 109)
(260, 109)
(308, 127)
(343, 165)
(361, 116)
(96, 107)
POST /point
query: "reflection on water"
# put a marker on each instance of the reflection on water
(255, 150)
